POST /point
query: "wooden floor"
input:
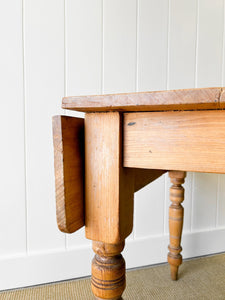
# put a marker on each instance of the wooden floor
(200, 279)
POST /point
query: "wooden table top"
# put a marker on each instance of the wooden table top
(186, 99)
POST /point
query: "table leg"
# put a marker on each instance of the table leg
(176, 213)
(109, 191)
(108, 271)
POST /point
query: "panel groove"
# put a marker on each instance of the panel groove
(65, 79)
(196, 49)
(137, 44)
(168, 44)
(192, 200)
(25, 125)
(223, 46)
(217, 200)
(102, 48)
(65, 49)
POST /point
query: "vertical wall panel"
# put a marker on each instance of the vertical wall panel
(182, 44)
(204, 201)
(221, 178)
(119, 46)
(152, 44)
(44, 82)
(152, 75)
(83, 47)
(209, 73)
(12, 175)
(149, 203)
(223, 49)
(83, 62)
(210, 43)
(181, 74)
(221, 201)
(74, 47)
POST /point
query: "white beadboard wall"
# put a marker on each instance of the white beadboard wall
(54, 48)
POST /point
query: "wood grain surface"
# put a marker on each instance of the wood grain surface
(108, 279)
(182, 140)
(68, 139)
(109, 187)
(187, 99)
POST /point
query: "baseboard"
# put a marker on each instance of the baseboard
(153, 250)
(39, 268)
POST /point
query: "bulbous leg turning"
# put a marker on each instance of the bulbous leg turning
(108, 271)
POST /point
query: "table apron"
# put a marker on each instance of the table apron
(175, 140)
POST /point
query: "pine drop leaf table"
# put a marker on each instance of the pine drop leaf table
(125, 142)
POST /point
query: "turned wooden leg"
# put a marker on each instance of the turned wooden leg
(176, 213)
(108, 271)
